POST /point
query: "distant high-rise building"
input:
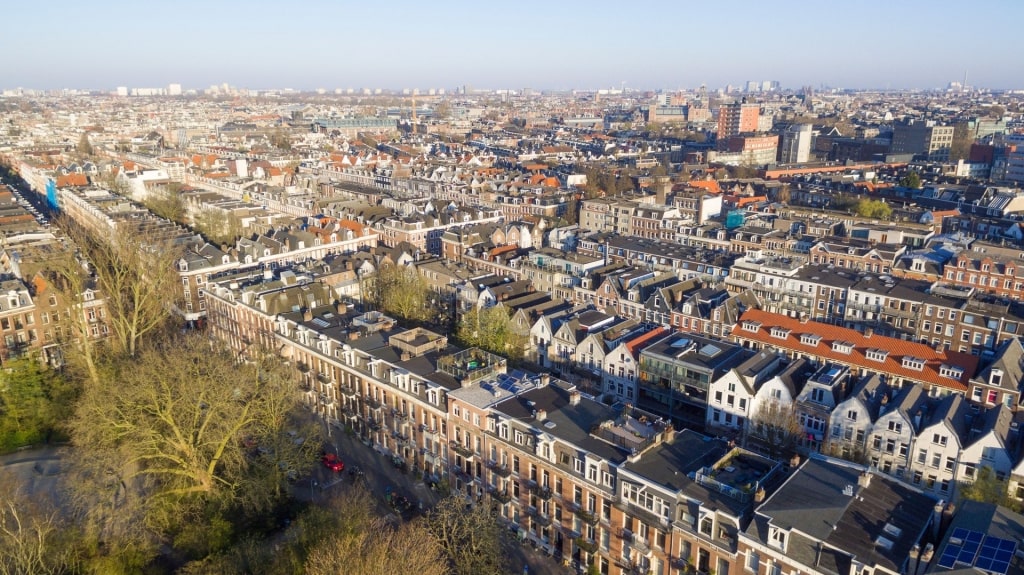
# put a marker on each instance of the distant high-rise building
(796, 144)
(174, 89)
(122, 90)
(737, 118)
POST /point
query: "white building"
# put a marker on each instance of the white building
(795, 147)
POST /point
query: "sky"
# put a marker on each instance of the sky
(542, 45)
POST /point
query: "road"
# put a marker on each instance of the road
(36, 471)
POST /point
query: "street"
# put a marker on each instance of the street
(381, 474)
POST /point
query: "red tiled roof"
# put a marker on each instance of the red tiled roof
(72, 180)
(634, 344)
(706, 185)
(893, 364)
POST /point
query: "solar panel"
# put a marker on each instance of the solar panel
(995, 555)
(948, 559)
(972, 543)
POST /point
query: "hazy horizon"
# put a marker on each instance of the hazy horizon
(306, 45)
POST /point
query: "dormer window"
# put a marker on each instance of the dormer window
(777, 538)
(914, 363)
(844, 347)
(876, 354)
(951, 371)
(780, 332)
(752, 326)
(810, 339)
(995, 377)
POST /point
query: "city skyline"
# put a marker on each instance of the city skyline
(647, 45)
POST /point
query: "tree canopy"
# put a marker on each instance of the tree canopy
(776, 426)
(873, 209)
(491, 329)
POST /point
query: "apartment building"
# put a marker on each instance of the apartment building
(676, 372)
(832, 516)
(939, 371)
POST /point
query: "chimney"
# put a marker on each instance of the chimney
(540, 415)
(574, 397)
(864, 480)
(662, 187)
(759, 495)
(868, 332)
(340, 307)
(545, 379)
(405, 356)
(353, 334)
(307, 314)
(794, 461)
(803, 318)
(268, 274)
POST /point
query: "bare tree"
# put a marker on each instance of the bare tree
(137, 275)
(33, 537)
(401, 291)
(470, 536)
(776, 426)
(71, 279)
(379, 549)
(189, 420)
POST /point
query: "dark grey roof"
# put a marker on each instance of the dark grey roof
(813, 503)
(571, 423)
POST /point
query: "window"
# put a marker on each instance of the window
(993, 396)
(922, 456)
(950, 463)
(876, 354)
(706, 523)
(810, 339)
(778, 538)
(851, 415)
(895, 426)
(969, 470)
(939, 439)
(914, 363)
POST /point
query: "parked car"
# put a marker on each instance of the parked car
(333, 462)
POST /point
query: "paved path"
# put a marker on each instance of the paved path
(36, 471)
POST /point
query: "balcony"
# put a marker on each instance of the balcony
(347, 391)
(461, 449)
(499, 470)
(641, 513)
(461, 473)
(631, 567)
(372, 403)
(501, 496)
(587, 517)
(681, 563)
(400, 415)
(541, 492)
(865, 307)
(588, 545)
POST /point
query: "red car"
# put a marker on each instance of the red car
(333, 462)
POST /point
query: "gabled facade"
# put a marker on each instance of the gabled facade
(936, 451)
(854, 417)
(895, 431)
